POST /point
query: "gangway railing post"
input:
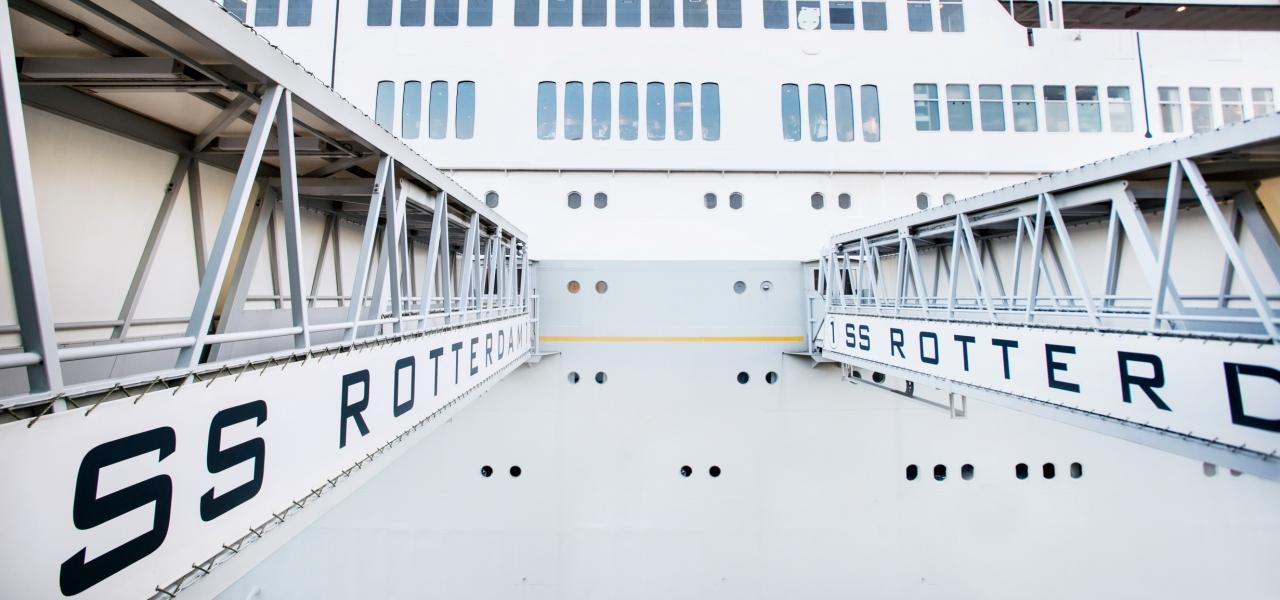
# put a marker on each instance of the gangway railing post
(366, 250)
(292, 221)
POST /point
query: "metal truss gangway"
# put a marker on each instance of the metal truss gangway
(229, 420)
(1136, 296)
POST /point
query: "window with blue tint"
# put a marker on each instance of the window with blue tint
(695, 13)
(1024, 108)
(595, 13)
(775, 14)
(411, 110)
(791, 112)
(682, 107)
(870, 113)
(655, 112)
(991, 106)
(601, 110)
(959, 107)
(874, 16)
(844, 112)
(842, 16)
(817, 112)
(438, 115)
(527, 13)
(385, 105)
(628, 13)
(573, 110)
(546, 110)
(628, 110)
(662, 13)
(413, 13)
(926, 99)
(446, 14)
(299, 14)
(559, 13)
(951, 15)
(240, 9)
(710, 111)
(479, 13)
(464, 120)
(919, 15)
(379, 13)
(808, 15)
(266, 13)
(729, 14)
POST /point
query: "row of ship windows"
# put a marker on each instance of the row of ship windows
(1021, 471)
(992, 115)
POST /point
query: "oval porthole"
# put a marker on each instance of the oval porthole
(922, 201)
(1077, 470)
(573, 377)
(877, 377)
(816, 200)
(601, 377)
(735, 201)
(743, 378)
(739, 287)
(714, 471)
(939, 472)
(912, 472)
(575, 200)
(686, 471)
(601, 200)
(491, 199)
(771, 378)
(966, 472)
(515, 471)
(709, 200)
(601, 287)
(486, 471)
(1048, 471)
(573, 286)
(845, 201)
(1020, 471)
(766, 286)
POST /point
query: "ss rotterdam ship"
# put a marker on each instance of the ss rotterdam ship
(640, 299)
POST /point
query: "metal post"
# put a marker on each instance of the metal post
(196, 196)
(140, 273)
(292, 220)
(1061, 226)
(320, 255)
(366, 249)
(1168, 226)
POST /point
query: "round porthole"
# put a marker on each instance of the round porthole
(845, 201)
(922, 201)
(575, 200)
(574, 287)
(816, 200)
(573, 377)
(601, 200)
(877, 377)
(515, 471)
(966, 472)
(771, 378)
(1048, 471)
(491, 199)
(912, 472)
(686, 471)
(709, 200)
(486, 471)
(1210, 469)
(714, 471)
(766, 286)
(1077, 470)
(939, 472)
(735, 201)
(739, 287)
(948, 198)
(601, 287)
(1020, 471)
(743, 378)
(601, 377)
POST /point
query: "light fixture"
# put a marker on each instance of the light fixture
(1182, 9)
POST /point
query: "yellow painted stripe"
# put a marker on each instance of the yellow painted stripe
(670, 338)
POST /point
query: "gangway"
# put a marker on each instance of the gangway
(150, 449)
(1136, 296)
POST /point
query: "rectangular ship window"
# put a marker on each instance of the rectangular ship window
(546, 110)
(926, 99)
(1201, 109)
(951, 15)
(775, 14)
(1057, 117)
(1119, 108)
(559, 13)
(808, 15)
(959, 107)
(266, 13)
(655, 112)
(413, 13)
(818, 112)
(379, 13)
(526, 13)
(479, 13)
(844, 111)
(682, 106)
(874, 17)
(662, 13)
(1024, 108)
(1232, 105)
(595, 13)
(628, 111)
(385, 105)
(1264, 102)
(710, 111)
(240, 9)
(695, 13)
(991, 106)
(299, 13)
(919, 15)
(438, 115)
(628, 13)
(464, 120)
(729, 14)
(601, 111)
(573, 110)
(791, 112)
(411, 110)
(841, 16)
(1088, 109)
(1170, 109)
(446, 14)
(870, 113)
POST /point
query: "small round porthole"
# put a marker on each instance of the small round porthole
(877, 377)
(601, 287)
(491, 199)
(1020, 471)
(948, 198)
(486, 471)
(1048, 471)
(709, 200)
(966, 472)
(743, 378)
(714, 471)
(816, 200)
(574, 377)
(771, 378)
(739, 287)
(601, 200)
(922, 201)
(912, 472)
(766, 286)
(515, 471)
(575, 200)
(1077, 470)
(845, 201)
(601, 377)
(1210, 469)
(735, 201)
(573, 286)
(686, 471)
(939, 472)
